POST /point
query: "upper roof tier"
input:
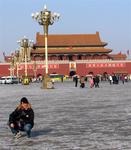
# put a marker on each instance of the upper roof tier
(70, 40)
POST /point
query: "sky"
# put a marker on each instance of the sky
(111, 18)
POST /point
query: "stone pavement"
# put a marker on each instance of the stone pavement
(70, 118)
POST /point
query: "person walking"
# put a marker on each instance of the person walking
(82, 82)
(122, 78)
(97, 80)
(91, 82)
(22, 119)
(110, 79)
(76, 80)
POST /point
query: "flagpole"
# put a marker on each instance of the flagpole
(128, 54)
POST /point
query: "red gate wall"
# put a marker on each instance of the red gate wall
(82, 68)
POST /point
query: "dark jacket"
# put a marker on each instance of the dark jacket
(22, 116)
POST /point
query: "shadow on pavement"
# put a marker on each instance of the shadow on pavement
(40, 132)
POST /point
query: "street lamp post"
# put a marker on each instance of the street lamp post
(35, 69)
(25, 44)
(12, 65)
(45, 18)
(17, 63)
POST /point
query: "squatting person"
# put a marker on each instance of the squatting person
(22, 118)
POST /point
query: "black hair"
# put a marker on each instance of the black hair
(24, 100)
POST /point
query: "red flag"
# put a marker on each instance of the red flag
(4, 54)
(120, 53)
(128, 52)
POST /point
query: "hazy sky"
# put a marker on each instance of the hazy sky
(112, 18)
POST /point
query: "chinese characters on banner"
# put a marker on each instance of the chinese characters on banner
(107, 65)
(39, 66)
(73, 66)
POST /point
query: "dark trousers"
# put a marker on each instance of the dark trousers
(27, 128)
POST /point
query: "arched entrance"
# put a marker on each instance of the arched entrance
(90, 73)
(72, 73)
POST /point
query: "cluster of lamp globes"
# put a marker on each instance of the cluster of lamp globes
(45, 17)
(25, 42)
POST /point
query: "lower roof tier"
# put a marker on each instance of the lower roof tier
(72, 50)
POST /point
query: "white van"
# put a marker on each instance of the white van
(9, 80)
(2, 80)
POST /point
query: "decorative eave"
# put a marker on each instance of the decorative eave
(72, 50)
(70, 40)
(8, 58)
(118, 56)
(76, 46)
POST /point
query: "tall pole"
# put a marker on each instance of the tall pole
(25, 44)
(13, 71)
(17, 73)
(12, 66)
(45, 18)
(17, 63)
(46, 47)
(35, 69)
(25, 62)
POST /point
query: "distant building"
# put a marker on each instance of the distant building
(69, 54)
(73, 47)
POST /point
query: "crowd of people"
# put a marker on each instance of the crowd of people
(94, 80)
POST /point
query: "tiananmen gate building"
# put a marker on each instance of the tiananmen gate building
(69, 54)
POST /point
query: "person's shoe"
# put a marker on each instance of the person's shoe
(18, 135)
(28, 135)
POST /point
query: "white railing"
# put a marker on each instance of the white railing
(67, 61)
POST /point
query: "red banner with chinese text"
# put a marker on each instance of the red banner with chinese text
(107, 65)
(38, 66)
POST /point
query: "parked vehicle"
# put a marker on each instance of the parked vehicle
(57, 77)
(15, 80)
(2, 80)
(9, 80)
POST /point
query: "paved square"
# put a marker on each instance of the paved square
(70, 118)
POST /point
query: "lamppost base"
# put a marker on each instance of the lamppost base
(47, 83)
(25, 81)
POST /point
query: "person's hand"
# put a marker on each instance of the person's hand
(12, 125)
